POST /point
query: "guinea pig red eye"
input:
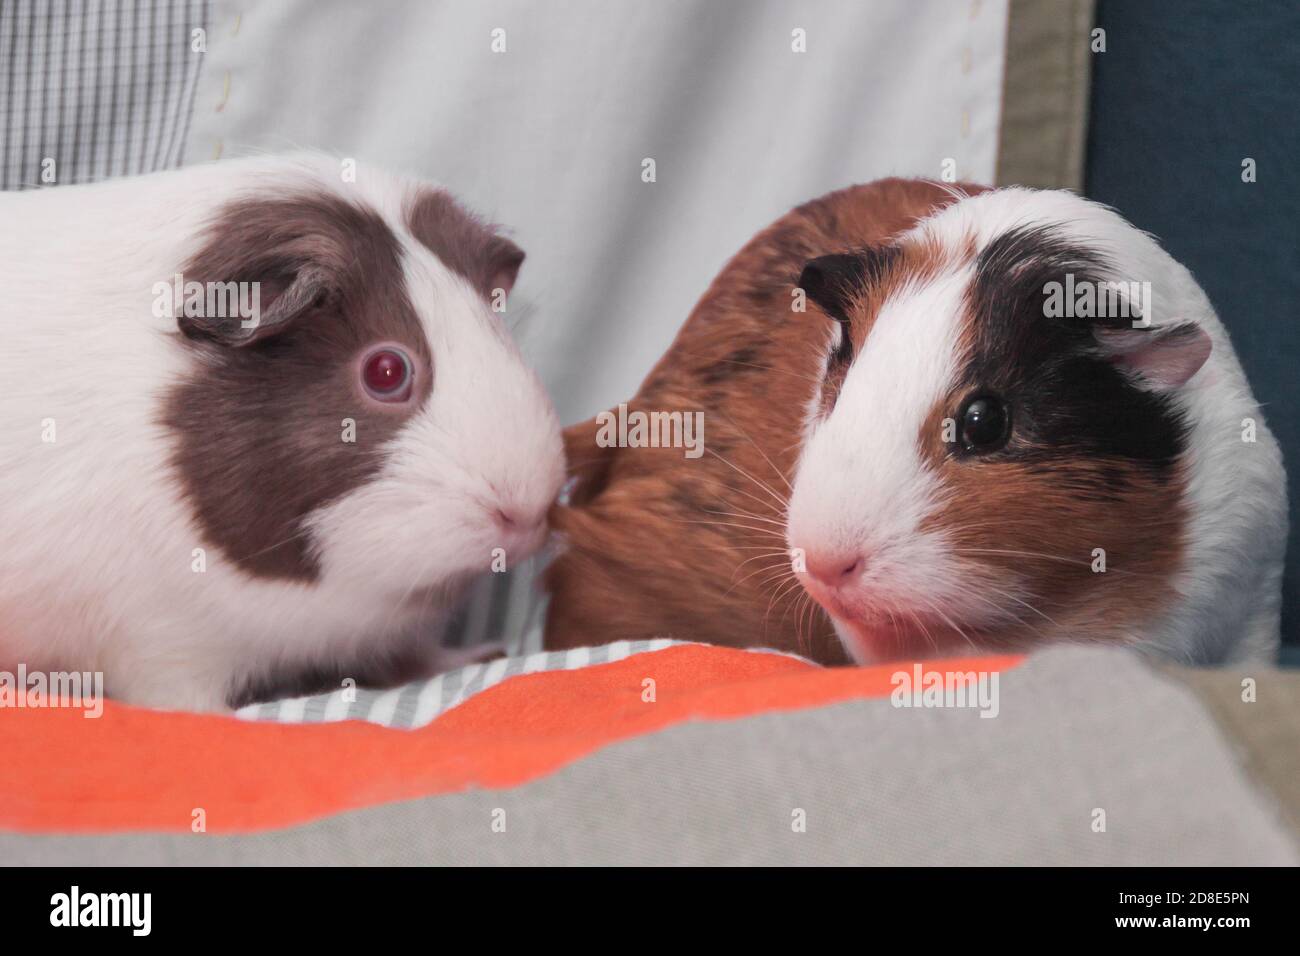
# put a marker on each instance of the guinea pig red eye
(386, 374)
(984, 424)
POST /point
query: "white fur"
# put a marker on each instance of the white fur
(862, 488)
(96, 539)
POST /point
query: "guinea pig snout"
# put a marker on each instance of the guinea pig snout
(834, 569)
(830, 576)
(507, 520)
(515, 520)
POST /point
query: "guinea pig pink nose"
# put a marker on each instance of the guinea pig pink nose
(506, 519)
(834, 570)
(513, 519)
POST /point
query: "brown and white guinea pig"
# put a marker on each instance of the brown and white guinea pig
(934, 458)
(212, 502)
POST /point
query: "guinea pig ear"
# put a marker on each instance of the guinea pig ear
(464, 242)
(1165, 358)
(504, 259)
(276, 304)
(832, 282)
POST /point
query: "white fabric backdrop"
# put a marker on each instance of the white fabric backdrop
(549, 136)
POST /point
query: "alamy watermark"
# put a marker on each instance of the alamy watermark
(212, 300)
(49, 689)
(638, 429)
(918, 687)
(133, 911)
(1088, 299)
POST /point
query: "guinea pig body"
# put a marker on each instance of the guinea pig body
(258, 422)
(980, 456)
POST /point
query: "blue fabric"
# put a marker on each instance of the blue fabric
(1183, 93)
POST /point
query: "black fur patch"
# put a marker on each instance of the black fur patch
(1065, 396)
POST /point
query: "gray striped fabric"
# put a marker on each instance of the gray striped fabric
(506, 608)
(416, 705)
(91, 89)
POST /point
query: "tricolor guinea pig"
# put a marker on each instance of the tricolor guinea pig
(1002, 418)
(259, 422)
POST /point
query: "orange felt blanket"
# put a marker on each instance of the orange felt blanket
(136, 769)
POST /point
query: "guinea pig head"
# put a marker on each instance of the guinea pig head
(991, 461)
(372, 431)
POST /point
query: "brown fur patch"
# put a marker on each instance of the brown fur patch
(1036, 529)
(658, 545)
(259, 428)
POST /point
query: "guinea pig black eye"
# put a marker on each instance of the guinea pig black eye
(386, 374)
(984, 424)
